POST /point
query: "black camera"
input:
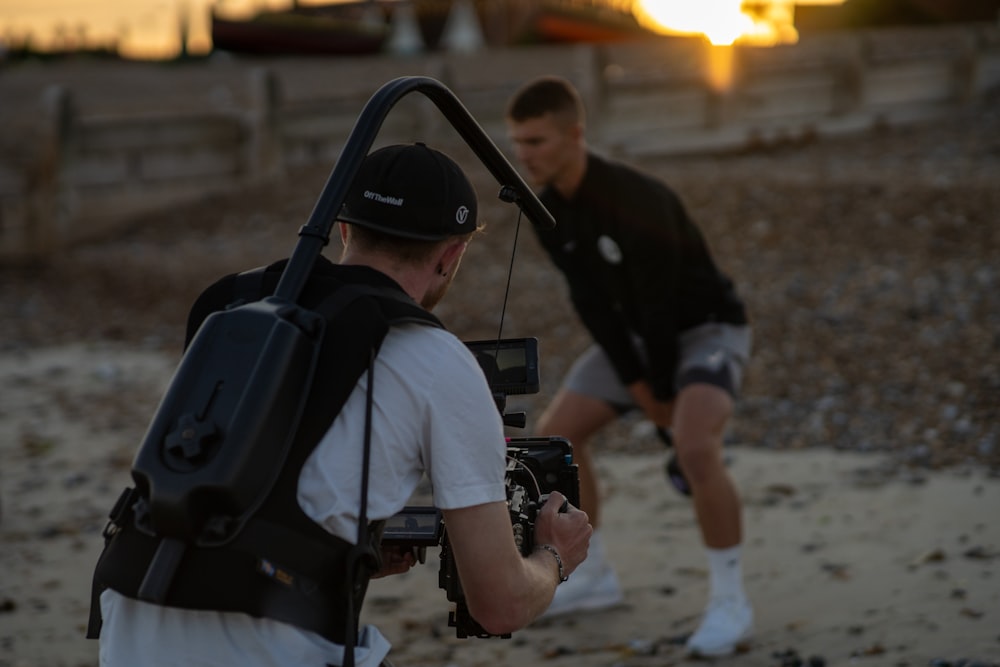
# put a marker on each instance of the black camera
(536, 466)
(511, 367)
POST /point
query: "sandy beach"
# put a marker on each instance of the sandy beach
(850, 559)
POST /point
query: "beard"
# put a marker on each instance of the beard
(434, 295)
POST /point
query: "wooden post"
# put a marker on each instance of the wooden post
(588, 73)
(848, 80)
(265, 156)
(723, 77)
(965, 70)
(51, 204)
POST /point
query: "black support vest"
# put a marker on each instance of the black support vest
(281, 565)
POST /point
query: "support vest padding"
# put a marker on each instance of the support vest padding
(282, 565)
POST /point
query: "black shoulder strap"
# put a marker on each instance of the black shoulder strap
(249, 285)
(397, 306)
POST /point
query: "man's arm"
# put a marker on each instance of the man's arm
(505, 591)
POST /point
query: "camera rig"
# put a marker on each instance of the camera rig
(536, 466)
(209, 456)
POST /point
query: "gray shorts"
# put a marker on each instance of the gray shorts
(713, 353)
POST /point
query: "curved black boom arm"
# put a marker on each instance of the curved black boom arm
(316, 232)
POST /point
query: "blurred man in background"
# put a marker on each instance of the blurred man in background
(670, 334)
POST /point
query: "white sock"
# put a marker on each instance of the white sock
(725, 572)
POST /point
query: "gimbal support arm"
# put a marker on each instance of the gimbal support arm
(316, 232)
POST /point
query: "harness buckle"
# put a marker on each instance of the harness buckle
(117, 515)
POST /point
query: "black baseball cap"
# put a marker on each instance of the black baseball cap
(411, 191)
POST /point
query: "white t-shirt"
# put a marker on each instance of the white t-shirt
(432, 413)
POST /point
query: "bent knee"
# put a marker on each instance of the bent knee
(700, 458)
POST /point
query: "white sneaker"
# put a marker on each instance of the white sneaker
(587, 589)
(727, 622)
(592, 586)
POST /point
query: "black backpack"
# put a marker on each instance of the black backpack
(224, 450)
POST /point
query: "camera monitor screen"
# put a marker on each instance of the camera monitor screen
(420, 526)
(510, 364)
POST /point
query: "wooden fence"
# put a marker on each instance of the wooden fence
(90, 146)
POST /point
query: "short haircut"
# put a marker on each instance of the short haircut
(546, 94)
(408, 251)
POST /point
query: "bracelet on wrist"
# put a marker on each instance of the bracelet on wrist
(552, 550)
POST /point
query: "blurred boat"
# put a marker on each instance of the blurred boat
(350, 28)
(506, 22)
(582, 21)
(364, 26)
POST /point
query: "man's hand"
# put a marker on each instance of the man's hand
(395, 560)
(567, 531)
(506, 591)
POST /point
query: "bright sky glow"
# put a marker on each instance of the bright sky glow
(723, 22)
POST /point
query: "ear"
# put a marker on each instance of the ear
(451, 254)
(343, 232)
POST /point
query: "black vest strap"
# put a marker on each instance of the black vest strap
(249, 285)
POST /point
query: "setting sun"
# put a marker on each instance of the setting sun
(721, 21)
(725, 22)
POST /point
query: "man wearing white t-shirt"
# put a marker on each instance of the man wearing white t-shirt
(405, 226)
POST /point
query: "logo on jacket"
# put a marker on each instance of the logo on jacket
(715, 360)
(609, 250)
